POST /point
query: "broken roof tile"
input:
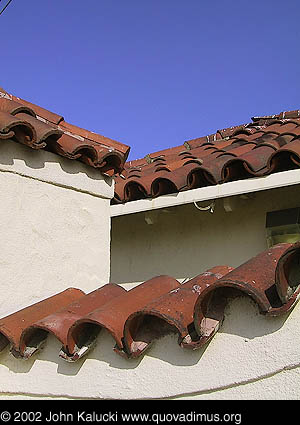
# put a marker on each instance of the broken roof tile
(135, 318)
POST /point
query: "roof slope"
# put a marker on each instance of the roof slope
(135, 318)
(39, 128)
(267, 145)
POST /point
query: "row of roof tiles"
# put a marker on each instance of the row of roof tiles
(135, 318)
(39, 128)
(269, 144)
(266, 145)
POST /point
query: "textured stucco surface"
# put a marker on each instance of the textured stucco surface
(51, 168)
(283, 385)
(52, 237)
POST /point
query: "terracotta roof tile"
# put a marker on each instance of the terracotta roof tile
(135, 318)
(269, 144)
(113, 315)
(12, 326)
(59, 322)
(39, 128)
(176, 308)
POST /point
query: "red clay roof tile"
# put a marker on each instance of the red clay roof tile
(38, 128)
(176, 308)
(269, 144)
(12, 326)
(113, 315)
(59, 322)
(135, 318)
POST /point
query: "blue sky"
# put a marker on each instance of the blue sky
(153, 73)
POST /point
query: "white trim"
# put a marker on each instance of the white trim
(284, 178)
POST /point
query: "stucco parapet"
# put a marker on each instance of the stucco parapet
(50, 168)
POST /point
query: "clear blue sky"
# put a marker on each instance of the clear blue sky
(153, 73)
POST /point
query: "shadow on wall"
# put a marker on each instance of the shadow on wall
(38, 159)
(184, 243)
(242, 321)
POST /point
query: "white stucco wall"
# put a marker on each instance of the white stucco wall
(54, 226)
(54, 218)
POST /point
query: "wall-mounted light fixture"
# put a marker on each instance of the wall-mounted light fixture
(283, 226)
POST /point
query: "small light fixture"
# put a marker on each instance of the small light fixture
(283, 226)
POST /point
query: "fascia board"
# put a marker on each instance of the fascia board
(239, 187)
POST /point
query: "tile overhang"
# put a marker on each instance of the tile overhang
(39, 128)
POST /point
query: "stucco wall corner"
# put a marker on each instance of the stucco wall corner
(54, 225)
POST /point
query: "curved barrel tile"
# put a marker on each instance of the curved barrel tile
(291, 149)
(173, 312)
(271, 279)
(49, 116)
(12, 326)
(22, 130)
(194, 310)
(13, 108)
(113, 315)
(59, 322)
(41, 129)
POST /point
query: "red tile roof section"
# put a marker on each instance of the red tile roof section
(135, 318)
(61, 321)
(12, 326)
(267, 145)
(113, 315)
(39, 128)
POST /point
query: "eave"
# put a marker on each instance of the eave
(239, 187)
